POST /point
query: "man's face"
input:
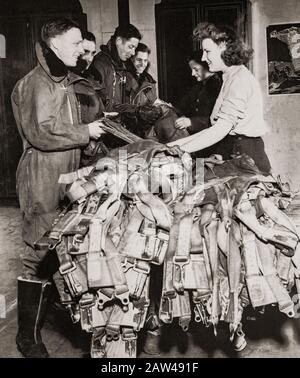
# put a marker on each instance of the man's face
(212, 55)
(89, 48)
(140, 61)
(126, 47)
(68, 46)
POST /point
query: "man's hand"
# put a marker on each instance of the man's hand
(182, 123)
(95, 129)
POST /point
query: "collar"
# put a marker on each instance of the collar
(111, 51)
(231, 71)
(51, 64)
(54, 67)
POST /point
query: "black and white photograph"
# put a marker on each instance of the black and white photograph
(149, 182)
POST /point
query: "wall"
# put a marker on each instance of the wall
(102, 18)
(282, 112)
(142, 15)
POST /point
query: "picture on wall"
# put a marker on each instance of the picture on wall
(283, 43)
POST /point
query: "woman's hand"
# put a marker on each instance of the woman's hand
(183, 123)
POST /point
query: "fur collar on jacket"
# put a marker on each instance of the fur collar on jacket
(111, 50)
(50, 63)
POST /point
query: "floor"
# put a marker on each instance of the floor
(270, 335)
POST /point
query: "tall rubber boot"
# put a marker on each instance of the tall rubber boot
(32, 306)
(152, 335)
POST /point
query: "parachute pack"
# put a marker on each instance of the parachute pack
(218, 229)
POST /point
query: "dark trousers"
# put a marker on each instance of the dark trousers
(235, 145)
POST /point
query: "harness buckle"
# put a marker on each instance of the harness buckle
(179, 263)
(124, 299)
(112, 332)
(67, 267)
(166, 308)
(130, 341)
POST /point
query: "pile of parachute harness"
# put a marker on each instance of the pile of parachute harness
(217, 227)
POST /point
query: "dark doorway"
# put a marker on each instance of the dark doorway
(175, 21)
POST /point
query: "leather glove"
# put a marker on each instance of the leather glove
(148, 113)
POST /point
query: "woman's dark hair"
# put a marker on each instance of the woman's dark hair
(127, 31)
(196, 56)
(56, 26)
(236, 52)
(142, 48)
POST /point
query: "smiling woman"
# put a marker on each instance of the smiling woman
(238, 111)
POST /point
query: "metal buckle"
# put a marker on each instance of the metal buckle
(142, 306)
(130, 341)
(124, 299)
(147, 254)
(178, 272)
(141, 270)
(54, 239)
(102, 299)
(74, 313)
(166, 308)
(161, 247)
(200, 314)
(87, 300)
(76, 287)
(112, 332)
(65, 270)
(184, 322)
(141, 278)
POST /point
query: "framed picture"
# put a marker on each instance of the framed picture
(283, 43)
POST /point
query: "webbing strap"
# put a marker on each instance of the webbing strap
(283, 268)
(129, 239)
(137, 274)
(151, 206)
(277, 215)
(259, 291)
(296, 265)
(142, 306)
(117, 273)
(234, 265)
(282, 238)
(181, 257)
(267, 254)
(69, 178)
(75, 280)
(90, 317)
(210, 237)
(97, 268)
(130, 339)
(168, 291)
